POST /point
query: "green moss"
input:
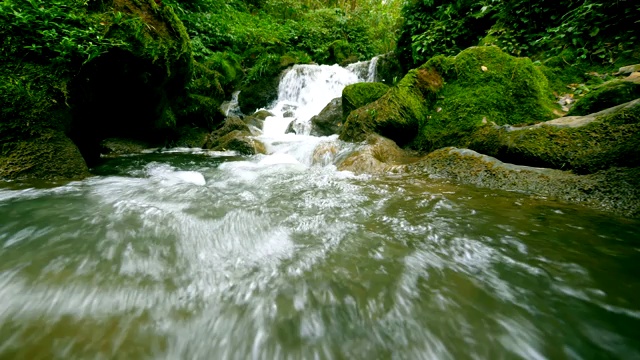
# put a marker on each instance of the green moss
(396, 115)
(482, 85)
(361, 94)
(607, 95)
(612, 138)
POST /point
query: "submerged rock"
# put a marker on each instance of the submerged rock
(584, 144)
(329, 121)
(616, 189)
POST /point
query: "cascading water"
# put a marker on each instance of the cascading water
(303, 92)
(198, 255)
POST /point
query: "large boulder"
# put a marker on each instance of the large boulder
(329, 121)
(357, 95)
(483, 85)
(50, 155)
(398, 113)
(584, 144)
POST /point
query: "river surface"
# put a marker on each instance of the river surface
(186, 254)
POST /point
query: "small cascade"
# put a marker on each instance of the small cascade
(303, 92)
(365, 70)
(231, 107)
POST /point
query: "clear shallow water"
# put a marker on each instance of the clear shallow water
(193, 256)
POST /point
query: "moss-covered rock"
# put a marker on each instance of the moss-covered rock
(483, 85)
(238, 141)
(616, 189)
(118, 146)
(258, 94)
(329, 121)
(358, 95)
(609, 94)
(398, 113)
(49, 155)
(234, 135)
(584, 144)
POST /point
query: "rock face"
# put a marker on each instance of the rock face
(358, 95)
(329, 121)
(130, 91)
(397, 114)
(584, 144)
(609, 94)
(615, 189)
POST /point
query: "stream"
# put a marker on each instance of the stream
(192, 254)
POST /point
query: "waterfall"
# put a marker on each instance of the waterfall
(303, 92)
(366, 70)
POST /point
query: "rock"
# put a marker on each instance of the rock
(510, 91)
(258, 94)
(262, 114)
(118, 146)
(616, 189)
(627, 70)
(377, 155)
(584, 144)
(48, 156)
(329, 121)
(256, 121)
(291, 128)
(398, 113)
(239, 141)
(358, 95)
(230, 124)
(606, 95)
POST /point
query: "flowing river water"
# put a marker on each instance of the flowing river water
(188, 254)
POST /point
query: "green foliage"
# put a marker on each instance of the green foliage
(57, 31)
(595, 31)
